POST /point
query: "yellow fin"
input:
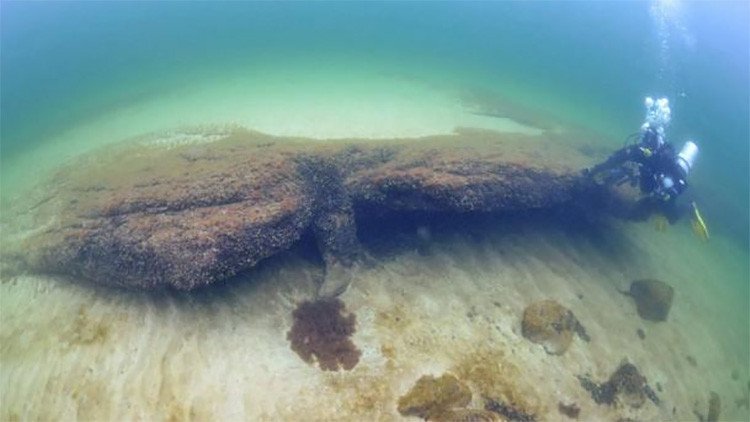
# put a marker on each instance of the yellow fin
(699, 226)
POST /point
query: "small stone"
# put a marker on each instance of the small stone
(570, 410)
(691, 360)
(551, 325)
(434, 398)
(653, 298)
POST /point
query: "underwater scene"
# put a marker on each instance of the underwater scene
(375, 211)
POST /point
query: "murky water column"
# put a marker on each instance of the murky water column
(671, 34)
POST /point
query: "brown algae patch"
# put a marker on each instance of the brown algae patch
(322, 333)
(502, 385)
(406, 332)
(395, 319)
(87, 331)
(449, 398)
(434, 398)
(363, 393)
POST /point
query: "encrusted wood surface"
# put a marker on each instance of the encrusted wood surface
(187, 209)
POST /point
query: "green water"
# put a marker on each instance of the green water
(78, 75)
(67, 63)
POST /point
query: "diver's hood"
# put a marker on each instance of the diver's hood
(686, 157)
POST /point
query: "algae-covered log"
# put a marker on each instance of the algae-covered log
(190, 208)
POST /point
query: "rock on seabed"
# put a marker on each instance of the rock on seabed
(551, 325)
(653, 298)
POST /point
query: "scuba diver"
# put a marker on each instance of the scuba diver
(653, 164)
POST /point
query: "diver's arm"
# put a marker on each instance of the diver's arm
(618, 158)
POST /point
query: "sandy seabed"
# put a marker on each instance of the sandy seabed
(450, 304)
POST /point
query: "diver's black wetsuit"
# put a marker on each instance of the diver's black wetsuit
(663, 164)
(657, 165)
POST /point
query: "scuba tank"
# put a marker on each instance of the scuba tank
(686, 157)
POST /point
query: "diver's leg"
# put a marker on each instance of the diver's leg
(644, 208)
(675, 210)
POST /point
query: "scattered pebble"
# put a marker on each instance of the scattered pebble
(691, 360)
(570, 410)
